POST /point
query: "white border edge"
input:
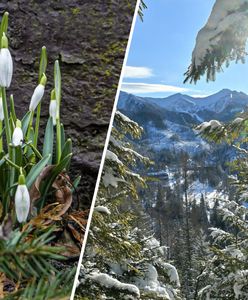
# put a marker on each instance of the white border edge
(105, 150)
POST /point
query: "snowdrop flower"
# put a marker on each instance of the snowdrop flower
(53, 107)
(17, 137)
(1, 109)
(6, 63)
(22, 200)
(38, 93)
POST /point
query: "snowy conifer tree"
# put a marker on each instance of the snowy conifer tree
(220, 41)
(123, 260)
(227, 269)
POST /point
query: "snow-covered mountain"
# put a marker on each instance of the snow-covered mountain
(169, 122)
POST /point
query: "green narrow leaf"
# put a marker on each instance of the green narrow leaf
(2, 160)
(35, 151)
(76, 183)
(12, 109)
(36, 170)
(4, 24)
(48, 139)
(13, 170)
(62, 135)
(67, 149)
(57, 86)
(11, 124)
(25, 122)
(18, 160)
(57, 83)
(30, 139)
(55, 172)
(43, 62)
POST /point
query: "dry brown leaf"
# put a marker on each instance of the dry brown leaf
(80, 217)
(77, 222)
(2, 279)
(34, 191)
(5, 284)
(6, 227)
(71, 250)
(48, 215)
(76, 234)
(63, 192)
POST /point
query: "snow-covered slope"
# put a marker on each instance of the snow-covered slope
(216, 103)
(169, 122)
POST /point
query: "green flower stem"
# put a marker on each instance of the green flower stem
(37, 125)
(6, 118)
(11, 163)
(30, 125)
(35, 150)
(12, 168)
(58, 140)
(1, 136)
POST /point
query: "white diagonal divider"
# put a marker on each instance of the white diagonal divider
(104, 151)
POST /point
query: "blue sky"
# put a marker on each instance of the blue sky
(161, 50)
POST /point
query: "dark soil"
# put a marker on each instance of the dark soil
(89, 37)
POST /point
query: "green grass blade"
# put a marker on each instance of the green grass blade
(25, 122)
(4, 24)
(12, 109)
(56, 171)
(36, 170)
(43, 62)
(48, 139)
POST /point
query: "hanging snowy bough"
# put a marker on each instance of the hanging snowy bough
(102, 209)
(221, 40)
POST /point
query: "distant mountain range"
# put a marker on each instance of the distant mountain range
(169, 122)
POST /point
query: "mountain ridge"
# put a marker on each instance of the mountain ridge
(171, 120)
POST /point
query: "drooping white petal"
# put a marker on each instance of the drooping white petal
(22, 203)
(6, 67)
(17, 137)
(36, 97)
(1, 109)
(53, 110)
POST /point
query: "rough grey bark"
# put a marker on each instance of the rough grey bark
(89, 38)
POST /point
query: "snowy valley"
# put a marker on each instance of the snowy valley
(191, 176)
(169, 224)
(169, 122)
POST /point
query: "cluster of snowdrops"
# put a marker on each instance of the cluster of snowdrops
(21, 162)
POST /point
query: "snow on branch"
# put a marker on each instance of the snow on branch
(221, 40)
(127, 125)
(109, 282)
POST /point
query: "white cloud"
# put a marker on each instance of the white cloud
(146, 88)
(137, 72)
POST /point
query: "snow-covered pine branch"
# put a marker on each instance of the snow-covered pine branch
(221, 40)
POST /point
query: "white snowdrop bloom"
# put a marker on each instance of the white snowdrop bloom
(6, 64)
(22, 200)
(17, 137)
(1, 109)
(53, 110)
(38, 93)
(36, 97)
